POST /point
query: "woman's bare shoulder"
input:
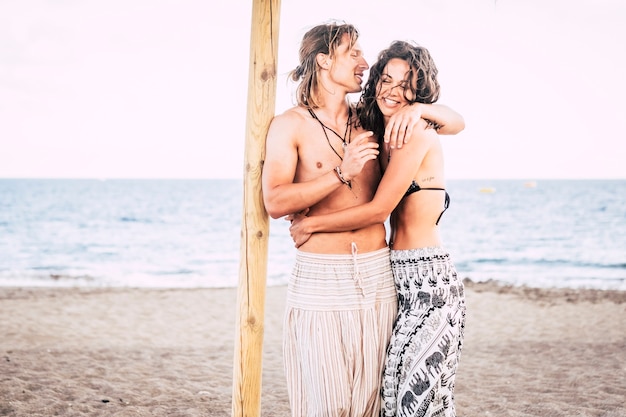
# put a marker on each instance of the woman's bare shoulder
(423, 134)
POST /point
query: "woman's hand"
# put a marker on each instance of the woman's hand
(298, 229)
(401, 125)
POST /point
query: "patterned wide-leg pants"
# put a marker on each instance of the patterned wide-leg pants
(423, 353)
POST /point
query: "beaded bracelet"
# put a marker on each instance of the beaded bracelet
(341, 177)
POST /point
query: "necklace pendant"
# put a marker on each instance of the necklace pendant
(344, 145)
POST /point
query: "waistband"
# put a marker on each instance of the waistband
(357, 259)
(418, 253)
(325, 258)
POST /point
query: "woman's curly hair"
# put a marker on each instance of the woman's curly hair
(423, 86)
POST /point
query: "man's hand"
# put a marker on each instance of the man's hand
(357, 153)
(401, 125)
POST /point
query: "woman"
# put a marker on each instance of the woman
(424, 349)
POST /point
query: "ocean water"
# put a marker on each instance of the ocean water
(186, 233)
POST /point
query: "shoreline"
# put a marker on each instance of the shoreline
(169, 352)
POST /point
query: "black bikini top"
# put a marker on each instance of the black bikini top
(414, 187)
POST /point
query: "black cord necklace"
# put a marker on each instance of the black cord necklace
(346, 133)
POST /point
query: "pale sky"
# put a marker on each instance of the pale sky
(158, 89)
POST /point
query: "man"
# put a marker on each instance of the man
(341, 300)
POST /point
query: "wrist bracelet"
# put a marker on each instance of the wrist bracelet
(341, 177)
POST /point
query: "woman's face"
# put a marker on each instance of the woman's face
(394, 87)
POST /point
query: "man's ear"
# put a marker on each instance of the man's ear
(323, 60)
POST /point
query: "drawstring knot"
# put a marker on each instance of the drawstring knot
(356, 274)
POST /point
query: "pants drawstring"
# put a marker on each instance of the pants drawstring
(356, 274)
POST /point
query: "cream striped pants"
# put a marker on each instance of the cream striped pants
(339, 316)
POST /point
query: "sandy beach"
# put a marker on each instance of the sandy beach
(143, 352)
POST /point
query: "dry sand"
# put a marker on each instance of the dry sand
(139, 352)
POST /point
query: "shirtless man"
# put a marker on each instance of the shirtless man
(341, 300)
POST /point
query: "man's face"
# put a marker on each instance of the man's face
(348, 65)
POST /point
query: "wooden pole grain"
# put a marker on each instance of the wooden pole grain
(247, 367)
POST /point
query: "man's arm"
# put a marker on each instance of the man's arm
(401, 125)
(281, 195)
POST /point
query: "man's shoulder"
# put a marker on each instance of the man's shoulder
(296, 114)
(290, 122)
(288, 125)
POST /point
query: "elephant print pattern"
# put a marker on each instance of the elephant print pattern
(424, 349)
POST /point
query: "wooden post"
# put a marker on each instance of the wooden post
(255, 223)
